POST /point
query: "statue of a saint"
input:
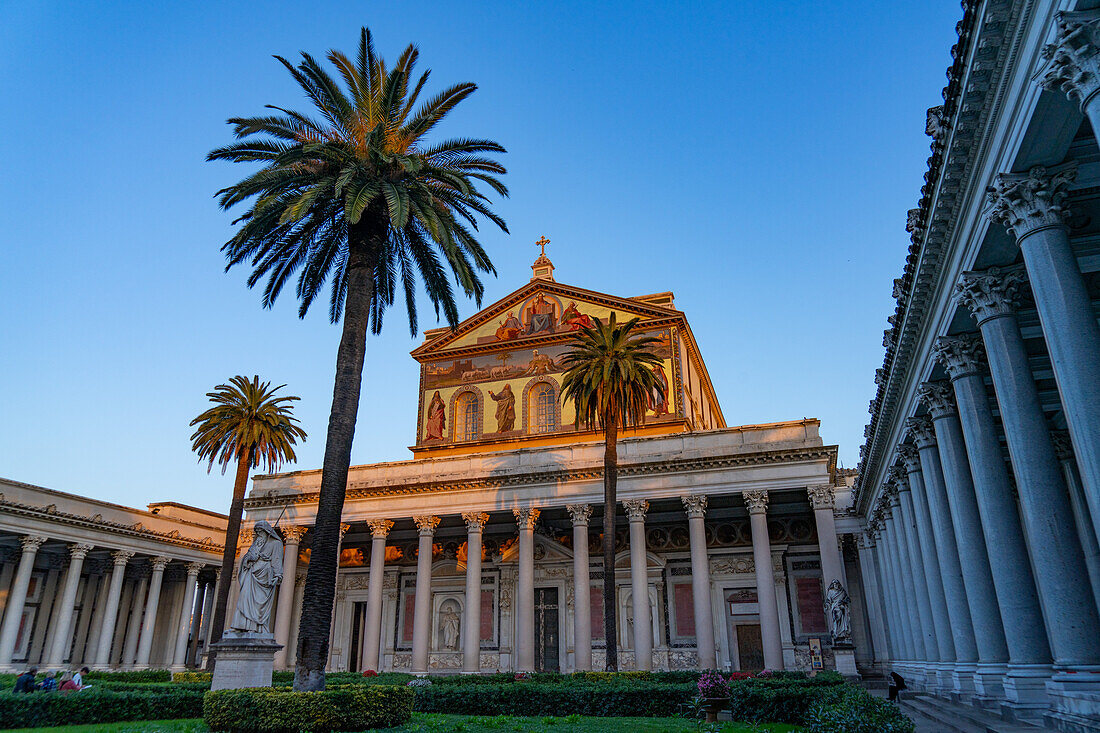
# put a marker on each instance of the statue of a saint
(437, 417)
(259, 575)
(837, 603)
(506, 408)
(449, 627)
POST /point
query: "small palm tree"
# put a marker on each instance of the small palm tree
(357, 198)
(248, 424)
(609, 377)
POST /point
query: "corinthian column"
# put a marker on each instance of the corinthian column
(582, 586)
(1082, 517)
(422, 602)
(145, 643)
(757, 502)
(875, 606)
(951, 575)
(471, 625)
(183, 627)
(1073, 61)
(1055, 549)
(17, 598)
(696, 507)
(895, 528)
(525, 590)
(284, 607)
(372, 634)
(1032, 207)
(639, 584)
(925, 625)
(63, 637)
(102, 656)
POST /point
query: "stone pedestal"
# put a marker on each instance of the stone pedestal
(1075, 701)
(244, 660)
(845, 658)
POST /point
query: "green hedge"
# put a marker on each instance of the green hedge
(144, 675)
(269, 710)
(94, 705)
(856, 711)
(542, 699)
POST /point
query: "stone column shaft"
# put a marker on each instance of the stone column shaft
(525, 591)
(582, 587)
(179, 657)
(471, 625)
(380, 530)
(63, 637)
(145, 643)
(889, 600)
(757, 501)
(284, 602)
(133, 626)
(110, 614)
(700, 580)
(1082, 516)
(197, 620)
(876, 613)
(926, 623)
(639, 584)
(17, 599)
(422, 603)
(910, 621)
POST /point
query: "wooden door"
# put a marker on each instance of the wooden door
(750, 648)
(546, 630)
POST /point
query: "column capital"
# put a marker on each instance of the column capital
(380, 528)
(121, 557)
(822, 497)
(635, 509)
(909, 456)
(961, 356)
(426, 524)
(939, 398)
(1027, 202)
(245, 537)
(921, 431)
(756, 501)
(990, 293)
(695, 504)
(526, 517)
(344, 530)
(1063, 446)
(1073, 64)
(193, 569)
(581, 514)
(865, 540)
(31, 542)
(159, 563)
(293, 534)
(79, 550)
(891, 495)
(886, 505)
(475, 521)
(897, 477)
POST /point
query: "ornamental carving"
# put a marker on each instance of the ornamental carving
(909, 456)
(79, 551)
(989, 294)
(1073, 64)
(159, 563)
(756, 501)
(897, 477)
(914, 222)
(193, 569)
(1063, 446)
(865, 540)
(380, 528)
(475, 521)
(636, 509)
(121, 557)
(293, 534)
(344, 530)
(580, 513)
(526, 517)
(737, 564)
(426, 524)
(921, 430)
(961, 356)
(1029, 201)
(939, 397)
(822, 497)
(31, 542)
(935, 125)
(695, 505)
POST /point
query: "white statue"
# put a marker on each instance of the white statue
(449, 626)
(259, 575)
(837, 604)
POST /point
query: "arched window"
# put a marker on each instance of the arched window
(543, 409)
(466, 414)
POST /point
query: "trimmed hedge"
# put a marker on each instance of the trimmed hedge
(857, 712)
(270, 710)
(143, 675)
(534, 698)
(192, 676)
(38, 709)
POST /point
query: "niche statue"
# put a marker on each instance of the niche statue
(259, 575)
(837, 603)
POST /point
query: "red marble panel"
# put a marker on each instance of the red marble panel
(811, 605)
(487, 611)
(597, 611)
(407, 630)
(685, 609)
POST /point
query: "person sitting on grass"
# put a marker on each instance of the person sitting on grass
(67, 683)
(78, 677)
(49, 684)
(25, 681)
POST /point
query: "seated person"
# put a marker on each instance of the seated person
(25, 681)
(78, 677)
(67, 684)
(50, 683)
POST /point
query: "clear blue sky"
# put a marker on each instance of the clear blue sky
(755, 158)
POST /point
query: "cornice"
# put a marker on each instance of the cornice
(362, 490)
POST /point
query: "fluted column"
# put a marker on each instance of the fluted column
(757, 502)
(525, 590)
(1082, 516)
(102, 657)
(284, 602)
(145, 644)
(422, 602)
(471, 624)
(1073, 61)
(696, 506)
(372, 634)
(924, 624)
(1072, 620)
(63, 637)
(183, 627)
(17, 598)
(1033, 207)
(876, 613)
(958, 607)
(639, 584)
(582, 587)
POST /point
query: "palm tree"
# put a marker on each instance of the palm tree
(251, 425)
(609, 377)
(356, 197)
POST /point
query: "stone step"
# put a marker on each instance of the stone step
(959, 718)
(931, 718)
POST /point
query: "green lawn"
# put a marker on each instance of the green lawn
(433, 723)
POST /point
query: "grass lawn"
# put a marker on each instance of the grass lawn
(434, 723)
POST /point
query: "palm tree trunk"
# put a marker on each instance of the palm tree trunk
(320, 587)
(610, 505)
(229, 554)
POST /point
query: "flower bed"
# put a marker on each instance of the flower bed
(272, 710)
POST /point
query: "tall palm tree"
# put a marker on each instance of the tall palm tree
(251, 425)
(609, 377)
(356, 196)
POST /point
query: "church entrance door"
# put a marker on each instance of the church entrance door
(750, 648)
(546, 630)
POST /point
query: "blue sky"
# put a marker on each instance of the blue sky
(756, 159)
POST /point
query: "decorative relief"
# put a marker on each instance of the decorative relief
(909, 456)
(426, 524)
(344, 530)
(695, 505)
(822, 497)
(635, 509)
(898, 477)
(526, 517)
(580, 513)
(402, 661)
(991, 293)
(356, 581)
(293, 534)
(79, 551)
(961, 356)
(682, 659)
(936, 126)
(475, 521)
(121, 557)
(158, 563)
(380, 528)
(756, 501)
(31, 542)
(939, 397)
(737, 564)
(1026, 202)
(1073, 64)
(193, 569)
(921, 430)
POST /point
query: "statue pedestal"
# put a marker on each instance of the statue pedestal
(844, 655)
(244, 660)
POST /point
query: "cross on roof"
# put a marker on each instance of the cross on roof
(543, 241)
